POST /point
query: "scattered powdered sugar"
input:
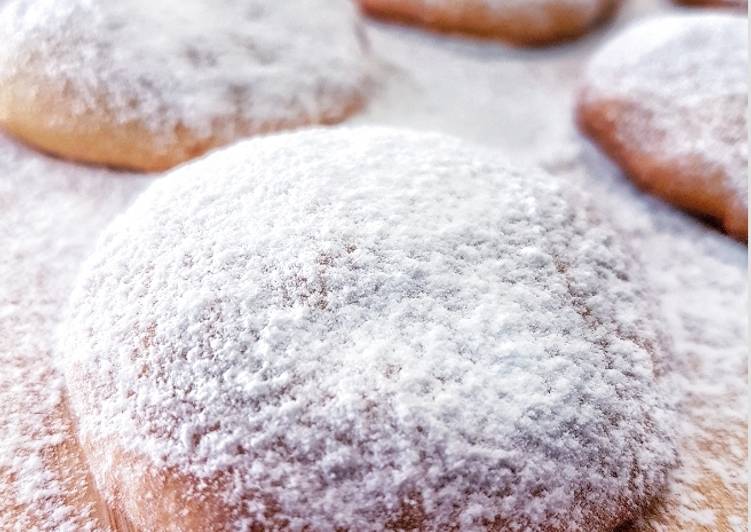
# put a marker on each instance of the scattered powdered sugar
(517, 102)
(688, 74)
(49, 212)
(353, 318)
(198, 65)
(700, 277)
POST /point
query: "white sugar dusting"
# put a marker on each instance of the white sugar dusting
(700, 279)
(689, 74)
(198, 65)
(49, 213)
(369, 315)
(517, 103)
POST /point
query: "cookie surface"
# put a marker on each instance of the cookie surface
(667, 100)
(148, 85)
(365, 329)
(518, 21)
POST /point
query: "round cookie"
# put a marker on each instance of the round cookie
(147, 85)
(667, 101)
(365, 329)
(529, 22)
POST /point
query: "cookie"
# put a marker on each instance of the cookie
(527, 22)
(147, 85)
(667, 101)
(366, 329)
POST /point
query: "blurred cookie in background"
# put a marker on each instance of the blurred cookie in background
(740, 4)
(50, 214)
(527, 22)
(667, 100)
(147, 85)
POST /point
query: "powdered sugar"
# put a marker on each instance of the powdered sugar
(516, 102)
(687, 73)
(701, 281)
(199, 65)
(36, 266)
(372, 316)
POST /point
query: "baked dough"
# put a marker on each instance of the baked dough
(528, 22)
(366, 329)
(147, 85)
(667, 100)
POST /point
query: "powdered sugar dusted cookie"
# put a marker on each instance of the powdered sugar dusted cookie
(667, 100)
(518, 21)
(147, 85)
(364, 329)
